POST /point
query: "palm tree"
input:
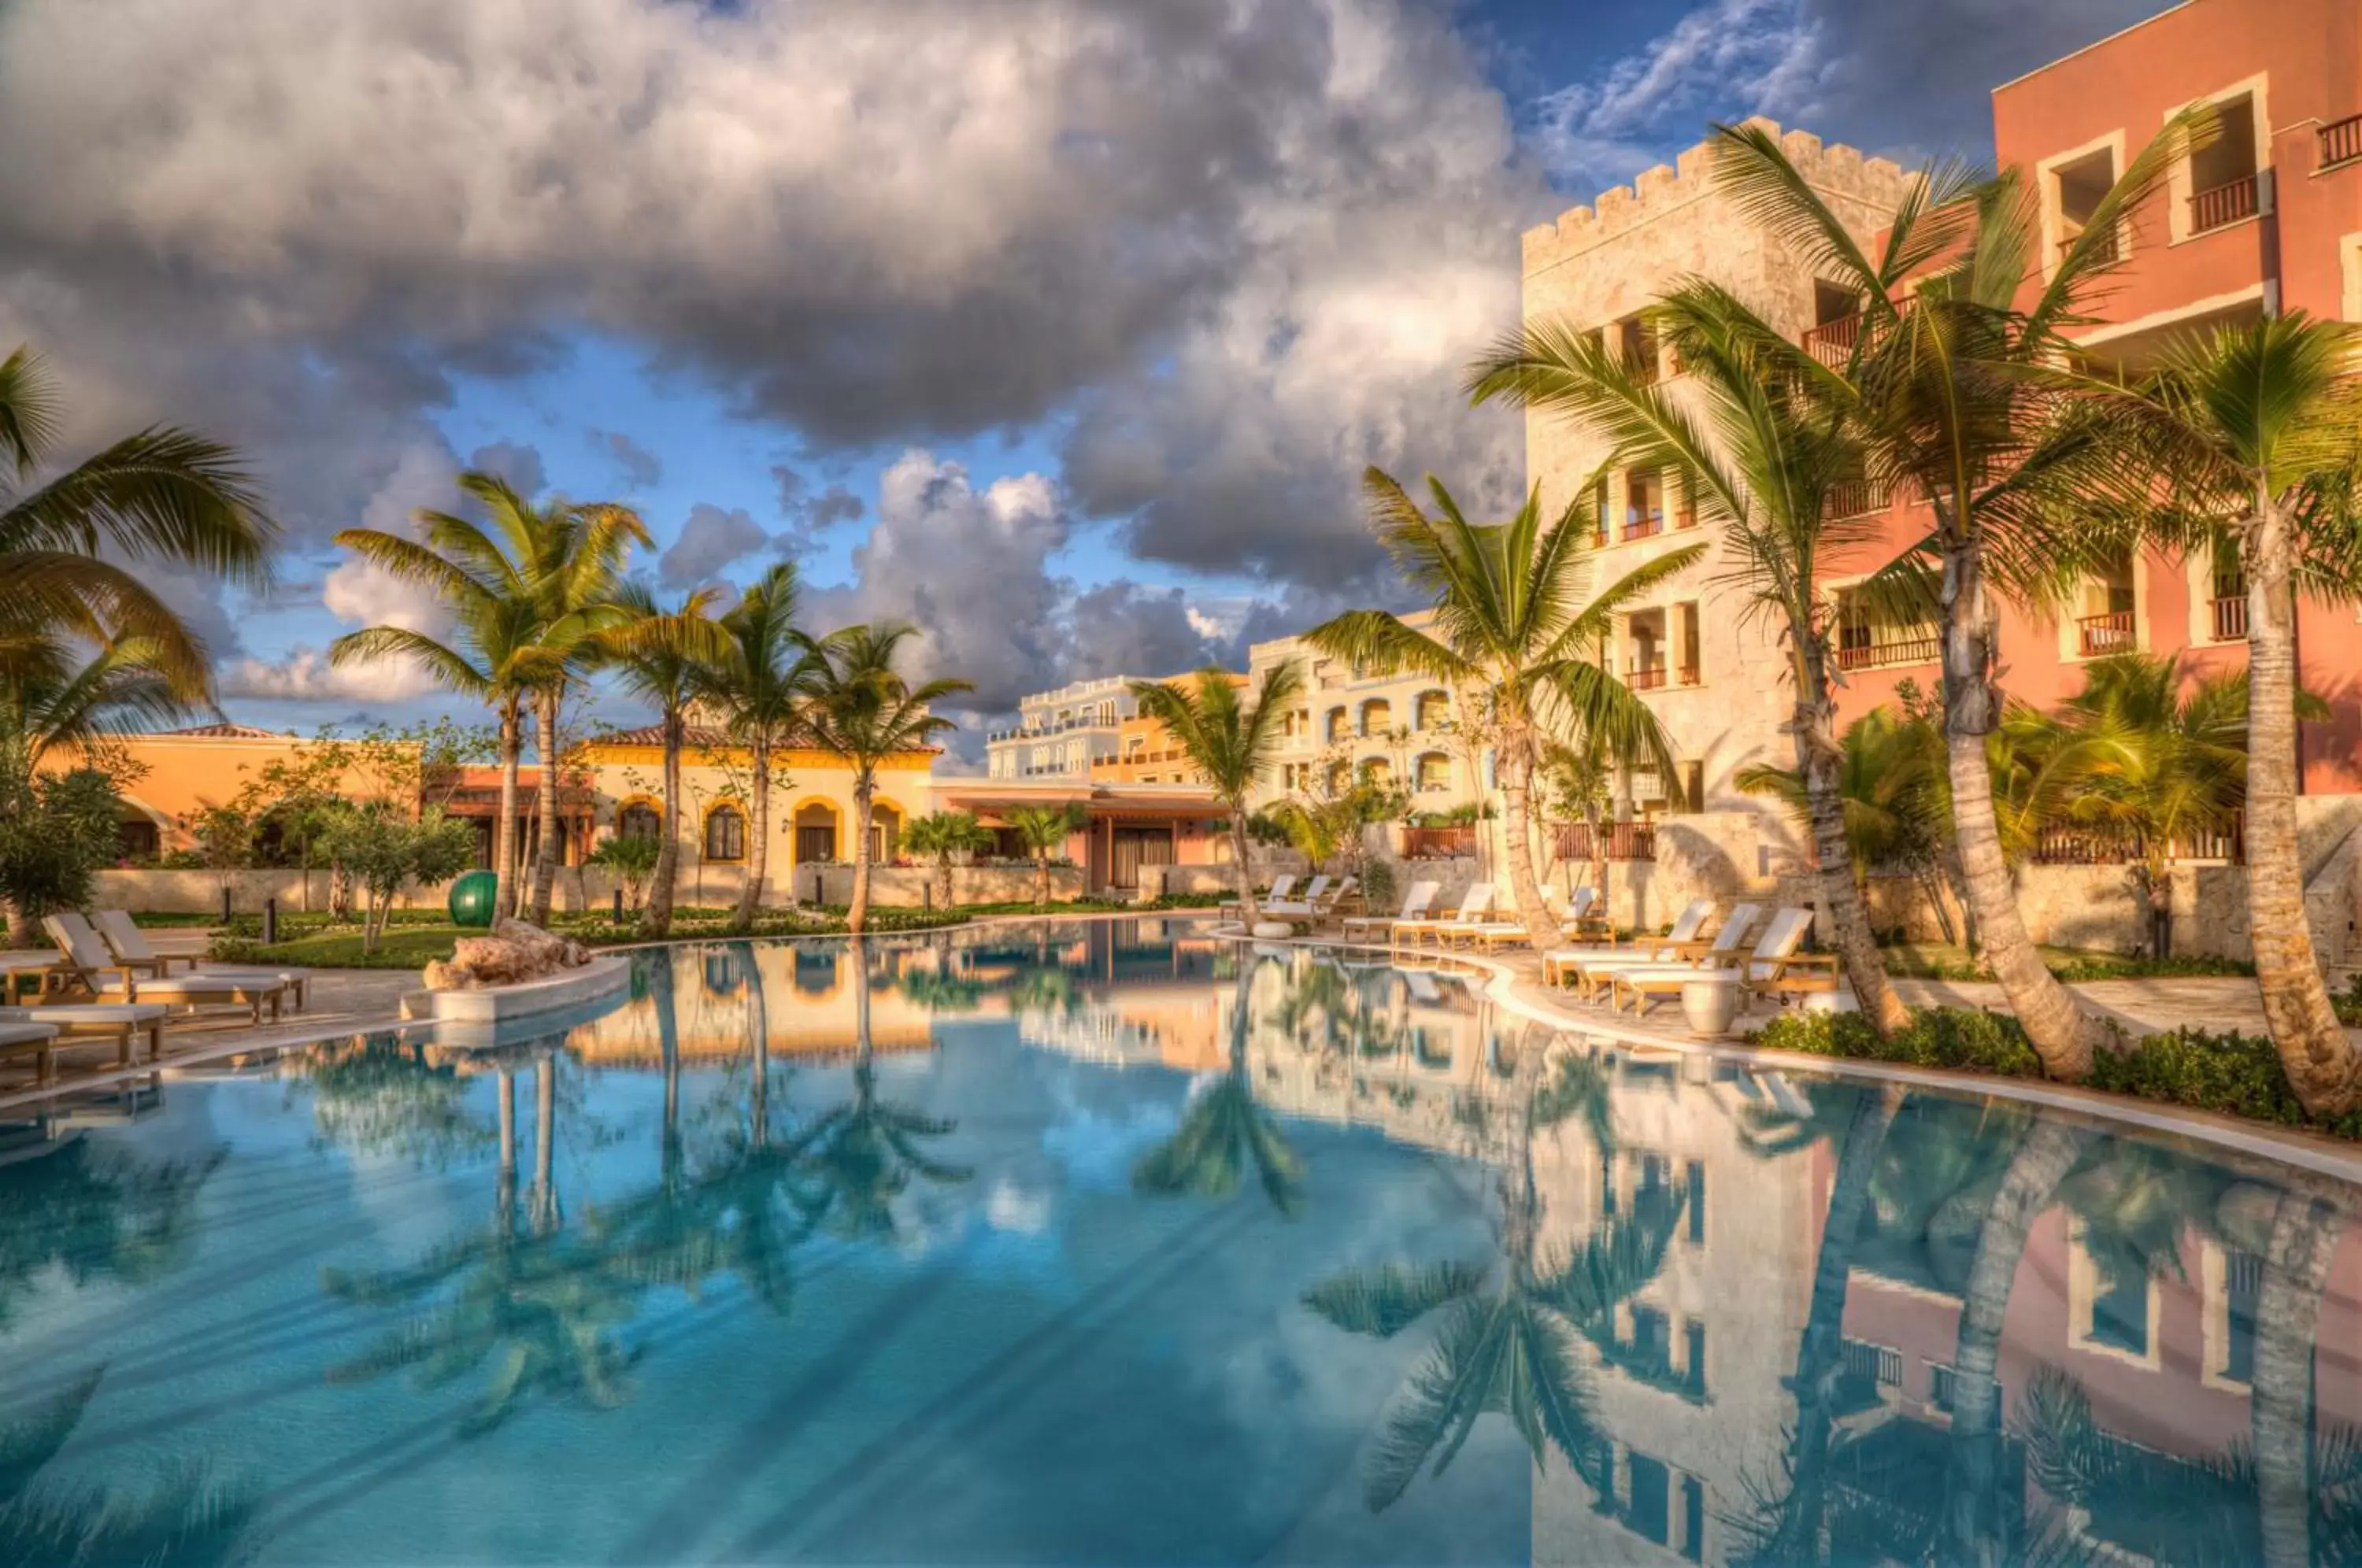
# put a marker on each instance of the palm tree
(863, 710)
(579, 550)
(1953, 394)
(944, 834)
(1043, 830)
(661, 656)
(163, 494)
(55, 697)
(1509, 617)
(1763, 465)
(1224, 1132)
(2262, 444)
(760, 685)
(1232, 745)
(485, 575)
(2290, 1487)
(1893, 793)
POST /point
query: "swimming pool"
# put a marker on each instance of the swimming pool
(1114, 1243)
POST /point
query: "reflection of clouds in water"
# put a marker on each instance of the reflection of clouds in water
(1098, 1151)
(1011, 1207)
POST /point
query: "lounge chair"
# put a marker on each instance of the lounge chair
(1472, 906)
(87, 967)
(1592, 974)
(36, 1040)
(1415, 906)
(1317, 905)
(1585, 918)
(123, 1022)
(133, 951)
(1561, 962)
(1775, 954)
(1282, 908)
(1280, 887)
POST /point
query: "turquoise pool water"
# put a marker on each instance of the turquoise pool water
(1113, 1243)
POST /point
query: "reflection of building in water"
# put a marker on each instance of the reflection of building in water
(1691, 1392)
(807, 998)
(1125, 993)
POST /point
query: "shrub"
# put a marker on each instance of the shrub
(2237, 1074)
(56, 831)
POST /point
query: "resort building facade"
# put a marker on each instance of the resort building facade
(1354, 725)
(1062, 734)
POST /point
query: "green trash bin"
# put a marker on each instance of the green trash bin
(472, 899)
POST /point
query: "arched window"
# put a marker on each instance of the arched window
(1434, 710)
(1377, 771)
(1377, 716)
(1340, 777)
(1433, 771)
(640, 819)
(725, 833)
(1336, 725)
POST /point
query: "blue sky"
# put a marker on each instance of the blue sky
(1063, 328)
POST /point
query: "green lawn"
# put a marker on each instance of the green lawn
(401, 947)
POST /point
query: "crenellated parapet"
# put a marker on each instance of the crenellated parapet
(1839, 172)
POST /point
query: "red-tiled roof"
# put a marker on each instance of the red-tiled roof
(652, 735)
(230, 732)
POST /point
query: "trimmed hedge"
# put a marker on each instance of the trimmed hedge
(2238, 1075)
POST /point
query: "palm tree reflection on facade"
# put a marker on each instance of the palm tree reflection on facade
(1224, 1132)
(1511, 1327)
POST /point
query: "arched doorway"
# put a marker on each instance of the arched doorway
(815, 833)
(885, 833)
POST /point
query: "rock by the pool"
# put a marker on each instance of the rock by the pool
(515, 952)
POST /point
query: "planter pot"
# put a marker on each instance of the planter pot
(1273, 930)
(1711, 1006)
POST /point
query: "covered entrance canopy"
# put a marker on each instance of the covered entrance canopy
(1127, 828)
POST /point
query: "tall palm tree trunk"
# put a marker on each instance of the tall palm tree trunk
(2288, 1317)
(505, 1192)
(2320, 1061)
(1972, 1487)
(504, 848)
(758, 853)
(1516, 766)
(2060, 1035)
(1242, 873)
(657, 919)
(545, 865)
(858, 916)
(1820, 759)
(758, 1022)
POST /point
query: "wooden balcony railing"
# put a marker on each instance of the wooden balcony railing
(2223, 203)
(1645, 676)
(2341, 141)
(2086, 846)
(1854, 497)
(1909, 647)
(1437, 843)
(2105, 251)
(1633, 840)
(1644, 527)
(1688, 675)
(1832, 342)
(2096, 635)
(2230, 618)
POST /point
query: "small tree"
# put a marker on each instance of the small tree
(633, 859)
(1044, 830)
(56, 831)
(225, 840)
(383, 849)
(944, 834)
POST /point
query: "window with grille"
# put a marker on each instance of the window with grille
(726, 835)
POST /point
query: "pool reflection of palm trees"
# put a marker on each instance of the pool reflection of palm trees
(1224, 1132)
(94, 1212)
(1513, 1325)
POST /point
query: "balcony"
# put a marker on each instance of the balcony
(2341, 141)
(1437, 843)
(1833, 342)
(2230, 618)
(2221, 205)
(1626, 841)
(2226, 843)
(1871, 652)
(1645, 676)
(2096, 636)
(1644, 527)
(1857, 498)
(1688, 675)
(2105, 251)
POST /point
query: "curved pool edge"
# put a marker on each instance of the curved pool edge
(1508, 990)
